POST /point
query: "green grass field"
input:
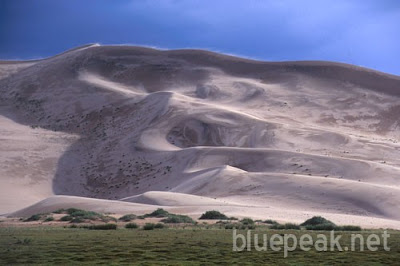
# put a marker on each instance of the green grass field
(189, 246)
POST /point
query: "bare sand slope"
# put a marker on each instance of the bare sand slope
(194, 130)
(28, 159)
(163, 198)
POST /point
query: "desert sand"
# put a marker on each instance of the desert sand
(125, 129)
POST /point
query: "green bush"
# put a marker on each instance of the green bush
(102, 227)
(329, 227)
(77, 220)
(230, 226)
(131, 226)
(348, 228)
(286, 226)
(213, 215)
(277, 226)
(321, 227)
(159, 226)
(269, 221)
(247, 221)
(59, 211)
(89, 215)
(168, 217)
(251, 226)
(35, 217)
(49, 219)
(127, 217)
(159, 213)
(317, 220)
(66, 218)
(292, 226)
(246, 226)
(176, 219)
(107, 219)
(78, 216)
(320, 223)
(149, 226)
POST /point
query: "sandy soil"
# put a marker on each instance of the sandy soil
(128, 129)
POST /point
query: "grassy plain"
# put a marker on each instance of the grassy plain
(196, 245)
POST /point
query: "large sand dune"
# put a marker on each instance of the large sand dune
(190, 130)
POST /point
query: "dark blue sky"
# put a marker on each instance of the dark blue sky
(361, 32)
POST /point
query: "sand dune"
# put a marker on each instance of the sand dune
(163, 198)
(131, 128)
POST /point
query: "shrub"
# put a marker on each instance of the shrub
(35, 217)
(49, 219)
(213, 215)
(59, 211)
(102, 227)
(277, 226)
(348, 228)
(319, 223)
(159, 213)
(79, 216)
(159, 226)
(77, 220)
(246, 226)
(131, 226)
(84, 214)
(73, 226)
(151, 226)
(71, 210)
(247, 221)
(176, 219)
(127, 217)
(148, 226)
(233, 218)
(169, 217)
(316, 220)
(66, 218)
(286, 226)
(292, 226)
(269, 221)
(321, 227)
(107, 219)
(251, 226)
(229, 226)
